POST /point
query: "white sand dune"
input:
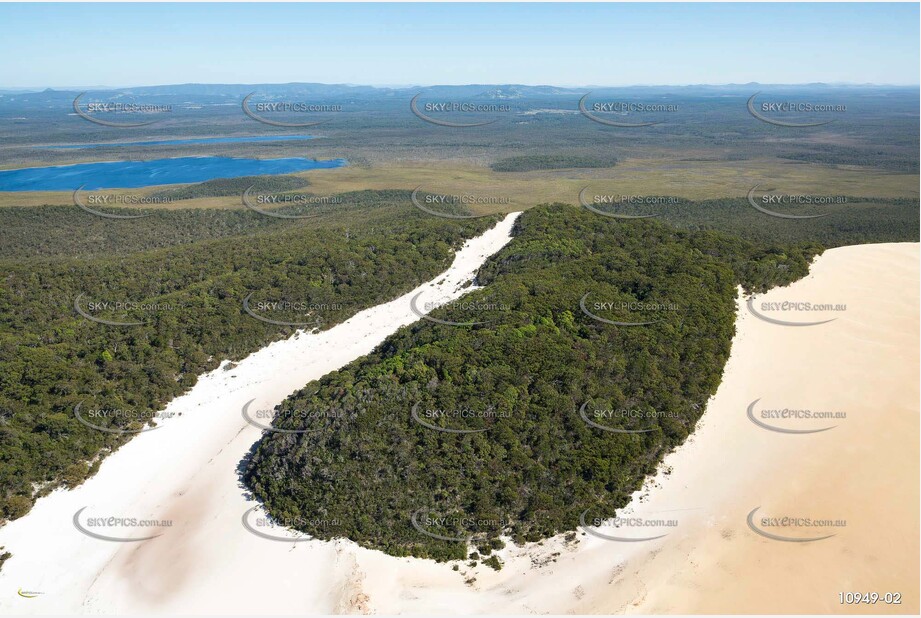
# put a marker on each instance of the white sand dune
(185, 472)
(863, 471)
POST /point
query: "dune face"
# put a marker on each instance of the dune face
(739, 491)
(863, 364)
(861, 470)
(858, 469)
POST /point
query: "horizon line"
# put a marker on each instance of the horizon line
(39, 89)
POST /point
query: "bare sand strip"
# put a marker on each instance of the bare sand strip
(185, 472)
(864, 472)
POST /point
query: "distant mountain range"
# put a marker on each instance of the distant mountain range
(473, 91)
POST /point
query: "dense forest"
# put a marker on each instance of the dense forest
(838, 155)
(856, 220)
(529, 163)
(67, 231)
(234, 186)
(526, 465)
(188, 301)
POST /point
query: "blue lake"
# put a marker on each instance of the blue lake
(135, 174)
(197, 140)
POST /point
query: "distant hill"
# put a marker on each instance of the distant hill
(469, 90)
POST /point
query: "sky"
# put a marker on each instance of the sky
(123, 45)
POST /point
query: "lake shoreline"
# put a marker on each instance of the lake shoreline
(143, 174)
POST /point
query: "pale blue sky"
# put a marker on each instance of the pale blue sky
(63, 45)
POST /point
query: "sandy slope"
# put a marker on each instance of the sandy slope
(864, 471)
